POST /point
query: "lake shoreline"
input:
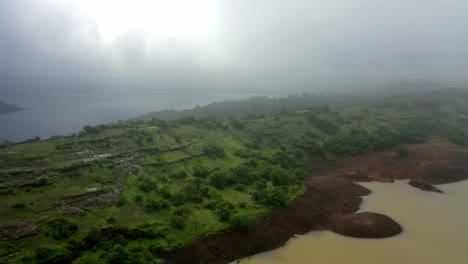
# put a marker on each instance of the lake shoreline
(331, 201)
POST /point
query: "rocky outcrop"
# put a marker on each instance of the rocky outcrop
(424, 186)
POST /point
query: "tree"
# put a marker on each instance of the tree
(214, 152)
(237, 124)
(276, 196)
(242, 174)
(279, 176)
(242, 221)
(224, 210)
(200, 171)
(218, 179)
(90, 130)
(60, 228)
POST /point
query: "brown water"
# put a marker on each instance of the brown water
(435, 231)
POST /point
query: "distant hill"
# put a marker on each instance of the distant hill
(257, 105)
(8, 108)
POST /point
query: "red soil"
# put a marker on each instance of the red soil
(330, 201)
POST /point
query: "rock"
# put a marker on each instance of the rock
(424, 186)
(91, 190)
(366, 225)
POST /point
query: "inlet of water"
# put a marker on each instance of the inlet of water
(435, 231)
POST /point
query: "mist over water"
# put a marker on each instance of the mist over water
(61, 114)
(435, 231)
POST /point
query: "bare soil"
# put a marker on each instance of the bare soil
(330, 202)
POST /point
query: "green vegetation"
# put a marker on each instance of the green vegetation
(125, 192)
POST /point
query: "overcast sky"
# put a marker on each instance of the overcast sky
(265, 42)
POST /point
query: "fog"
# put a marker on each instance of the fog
(261, 44)
(143, 51)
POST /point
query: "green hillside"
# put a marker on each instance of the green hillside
(132, 190)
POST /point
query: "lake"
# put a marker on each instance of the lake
(59, 114)
(435, 231)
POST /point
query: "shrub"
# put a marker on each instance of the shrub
(147, 185)
(60, 228)
(214, 152)
(276, 196)
(241, 221)
(279, 176)
(121, 201)
(218, 179)
(43, 181)
(154, 204)
(183, 211)
(165, 192)
(242, 174)
(224, 210)
(179, 175)
(136, 255)
(200, 171)
(138, 199)
(177, 221)
(18, 205)
(51, 255)
(242, 205)
(237, 124)
(239, 187)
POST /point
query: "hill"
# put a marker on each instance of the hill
(138, 189)
(8, 108)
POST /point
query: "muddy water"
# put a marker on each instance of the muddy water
(435, 231)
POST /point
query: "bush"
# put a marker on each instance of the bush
(242, 205)
(324, 125)
(138, 199)
(224, 210)
(165, 192)
(147, 185)
(239, 188)
(177, 221)
(279, 176)
(242, 174)
(183, 211)
(52, 255)
(276, 196)
(121, 201)
(43, 181)
(242, 221)
(200, 171)
(237, 124)
(18, 205)
(179, 175)
(214, 152)
(218, 179)
(60, 228)
(154, 204)
(120, 255)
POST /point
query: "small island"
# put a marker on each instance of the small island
(8, 108)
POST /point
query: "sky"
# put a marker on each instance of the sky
(264, 44)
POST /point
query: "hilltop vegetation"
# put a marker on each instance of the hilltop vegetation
(257, 105)
(130, 191)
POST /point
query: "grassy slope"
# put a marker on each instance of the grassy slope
(145, 143)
